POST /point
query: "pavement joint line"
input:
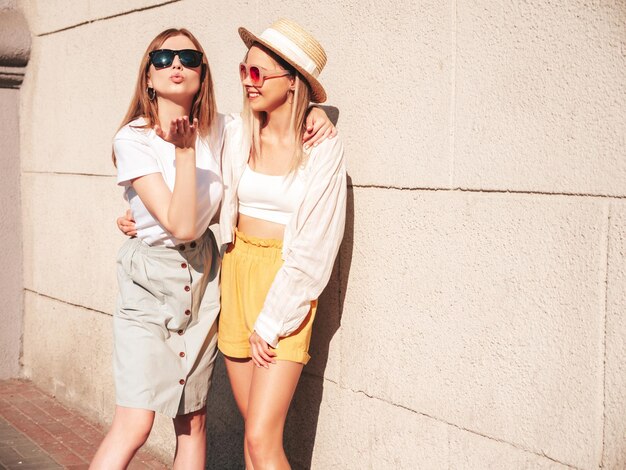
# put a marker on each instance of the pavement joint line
(64, 446)
(21, 441)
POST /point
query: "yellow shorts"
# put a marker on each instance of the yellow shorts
(248, 271)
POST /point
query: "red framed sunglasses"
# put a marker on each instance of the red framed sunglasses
(258, 75)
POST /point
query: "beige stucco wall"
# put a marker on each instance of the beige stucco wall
(476, 314)
(14, 48)
(10, 236)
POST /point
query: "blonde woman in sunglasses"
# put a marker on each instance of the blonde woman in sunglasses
(284, 214)
(167, 154)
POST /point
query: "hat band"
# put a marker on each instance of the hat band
(290, 49)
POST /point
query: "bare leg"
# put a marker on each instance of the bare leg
(129, 431)
(190, 440)
(270, 395)
(240, 375)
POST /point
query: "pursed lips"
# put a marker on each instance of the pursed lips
(177, 78)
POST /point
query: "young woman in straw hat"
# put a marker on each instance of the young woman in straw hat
(284, 214)
(167, 154)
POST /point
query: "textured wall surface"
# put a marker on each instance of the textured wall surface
(475, 318)
(10, 235)
(8, 4)
(14, 49)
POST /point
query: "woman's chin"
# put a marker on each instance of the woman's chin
(178, 94)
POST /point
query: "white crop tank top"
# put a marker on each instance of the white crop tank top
(269, 197)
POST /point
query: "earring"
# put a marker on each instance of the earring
(151, 93)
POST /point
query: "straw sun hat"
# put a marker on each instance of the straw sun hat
(296, 46)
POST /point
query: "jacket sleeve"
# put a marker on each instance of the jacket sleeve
(232, 150)
(312, 248)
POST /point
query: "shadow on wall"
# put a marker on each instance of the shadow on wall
(224, 424)
(301, 426)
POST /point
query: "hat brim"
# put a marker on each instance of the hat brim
(318, 94)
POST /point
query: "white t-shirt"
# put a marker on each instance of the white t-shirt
(140, 152)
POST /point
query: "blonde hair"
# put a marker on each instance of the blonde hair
(254, 121)
(203, 106)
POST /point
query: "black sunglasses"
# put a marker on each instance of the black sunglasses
(162, 58)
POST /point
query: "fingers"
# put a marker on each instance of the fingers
(255, 354)
(308, 133)
(181, 132)
(262, 354)
(312, 129)
(321, 135)
(126, 226)
(329, 133)
(268, 353)
(311, 121)
(259, 357)
(183, 125)
(129, 229)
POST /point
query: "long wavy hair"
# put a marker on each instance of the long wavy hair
(254, 121)
(203, 106)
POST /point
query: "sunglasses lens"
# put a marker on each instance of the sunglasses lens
(190, 58)
(162, 59)
(255, 75)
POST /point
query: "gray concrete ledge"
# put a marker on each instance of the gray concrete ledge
(11, 77)
(15, 44)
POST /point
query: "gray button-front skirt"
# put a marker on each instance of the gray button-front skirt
(165, 328)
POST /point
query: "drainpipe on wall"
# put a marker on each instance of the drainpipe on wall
(15, 44)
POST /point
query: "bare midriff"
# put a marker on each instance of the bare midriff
(260, 228)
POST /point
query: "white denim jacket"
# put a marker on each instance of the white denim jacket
(312, 236)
